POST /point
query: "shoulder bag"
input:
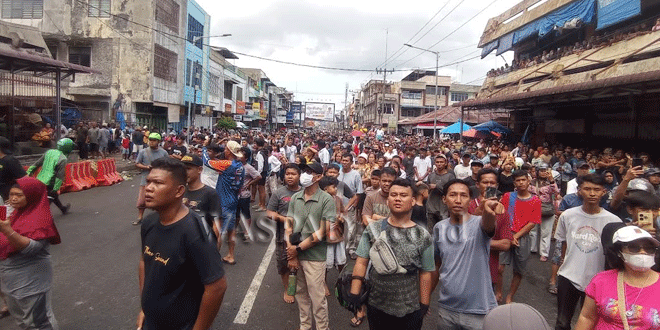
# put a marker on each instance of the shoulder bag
(381, 254)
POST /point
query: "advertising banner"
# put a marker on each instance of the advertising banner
(240, 107)
(320, 111)
(228, 107)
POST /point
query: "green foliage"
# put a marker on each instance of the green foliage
(226, 123)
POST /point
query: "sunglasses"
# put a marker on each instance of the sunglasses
(636, 248)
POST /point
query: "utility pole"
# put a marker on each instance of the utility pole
(344, 118)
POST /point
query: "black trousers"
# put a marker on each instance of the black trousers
(82, 150)
(381, 320)
(54, 197)
(568, 298)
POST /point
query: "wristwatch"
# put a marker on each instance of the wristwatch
(298, 249)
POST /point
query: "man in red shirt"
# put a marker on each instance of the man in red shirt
(501, 241)
(524, 211)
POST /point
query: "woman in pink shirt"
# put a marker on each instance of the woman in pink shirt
(631, 285)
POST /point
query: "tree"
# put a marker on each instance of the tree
(226, 123)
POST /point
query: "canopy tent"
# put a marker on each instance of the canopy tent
(473, 133)
(357, 133)
(492, 126)
(455, 128)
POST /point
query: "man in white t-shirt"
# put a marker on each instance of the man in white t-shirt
(290, 150)
(463, 169)
(422, 165)
(579, 229)
(582, 169)
(324, 154)
(273, 179)
(389, 152)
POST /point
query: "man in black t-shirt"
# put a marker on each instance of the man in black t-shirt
(10, 168)
(201, 198)
(179, 150)
(182, 282)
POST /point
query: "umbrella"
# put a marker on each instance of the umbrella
(473, 133)
(492, 127)
(455, 128)
(241, 125)
(356, 133)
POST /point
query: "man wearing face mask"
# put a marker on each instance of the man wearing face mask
(311, 211)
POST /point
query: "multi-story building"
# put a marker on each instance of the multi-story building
(418, 95)
(585, 72)
(197, 58)
(460, 92)
(141, 69)
(380, 103)
(255, 110)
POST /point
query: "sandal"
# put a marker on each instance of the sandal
(358, 321)
(552, 288)
(4, 312)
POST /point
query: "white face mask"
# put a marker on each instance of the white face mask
(306, 180)
(639, 262)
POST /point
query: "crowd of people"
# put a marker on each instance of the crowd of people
(579, 47)
(398, 216)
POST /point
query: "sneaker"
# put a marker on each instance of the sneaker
(66, 209)
(137, 222)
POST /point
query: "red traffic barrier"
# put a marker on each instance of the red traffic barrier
(113, 170)
(71, 182)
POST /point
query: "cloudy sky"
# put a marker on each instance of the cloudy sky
(353, 34)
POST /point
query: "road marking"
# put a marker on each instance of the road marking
(251, 295)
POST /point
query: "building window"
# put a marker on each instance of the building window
(165, 63)
(239, 93)
(98, 8)
(197, 75)
(167, 13)
(188, 71)
(22, 8)
(411, 95)
(440, 90)
(214, 84)
(80, 55)
(229, 88)
(388, 108)
(195, 29)
(459, 97)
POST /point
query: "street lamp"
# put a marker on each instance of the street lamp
(435, 111)
(196, 38)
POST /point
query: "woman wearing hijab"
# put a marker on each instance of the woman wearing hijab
(26, 272)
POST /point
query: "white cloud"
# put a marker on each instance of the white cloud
(349, 34)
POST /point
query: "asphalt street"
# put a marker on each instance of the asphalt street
(96, 286)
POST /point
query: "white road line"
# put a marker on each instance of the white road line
(251, 295)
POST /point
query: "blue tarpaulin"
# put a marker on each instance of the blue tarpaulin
(489, 47)
(506, 43)
(455, 128)
(614, 11)
(492, 126)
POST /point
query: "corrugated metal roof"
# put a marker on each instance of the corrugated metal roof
(38, 62)
(558, 90)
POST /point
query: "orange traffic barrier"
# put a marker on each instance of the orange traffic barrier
(102, 176)
(71, 183)
(113, 170)
(88, 174)
(80, 175)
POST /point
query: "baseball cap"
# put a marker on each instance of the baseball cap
(581, 164)
(652, 171)
(235, 148)
(313, 166)
(192, 160)
(477, 163)
(632, 233)
(363, 155)
(154, 136)
(543, 166)
(640, 184)
(5, 146)
(515, 316)
(493, 156)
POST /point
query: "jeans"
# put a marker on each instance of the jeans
(568, 298)
(450, 320)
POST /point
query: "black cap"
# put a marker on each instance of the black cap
(192, 160)
(5, 146)
(313, 166)
(477, 163)
(581, 164)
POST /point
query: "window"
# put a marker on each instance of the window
(388, 108)
(411, 95)
(214, 84)
(98, 8)
(80, 55)
(229, 88)
(197, 75)
(195, 29)
(239, 93)
(188, 71)
(167, 13)
(441, 90)
(165, 63)
(22, 8)
(459, 97)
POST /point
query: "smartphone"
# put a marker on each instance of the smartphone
(637, 162)
(491, 193)
(645, 220)
(3, 212)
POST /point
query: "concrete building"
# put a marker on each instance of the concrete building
(380, 104)
(197, 58)
(141, 70)
(461, 92)
(255, 112)
(417, 94)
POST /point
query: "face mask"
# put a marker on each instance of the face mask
(306, 180)
(639, 262)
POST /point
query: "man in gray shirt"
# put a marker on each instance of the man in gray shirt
(461, 246)
(93, 134)
(436, 209)
(143, 162)
(353, 180)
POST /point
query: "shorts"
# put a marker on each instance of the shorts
(262, 181)
(125, 151)
(556, 253)
(282, 262)
(243, 208)
(103, 148)
(140, 202)
(93, 147)
(518, 255)
(336, 255)
(228, 220)
(137, 148)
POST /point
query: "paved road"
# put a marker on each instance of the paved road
(95, 283)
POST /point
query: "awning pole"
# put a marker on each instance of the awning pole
(58, 104)
(461, 124)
